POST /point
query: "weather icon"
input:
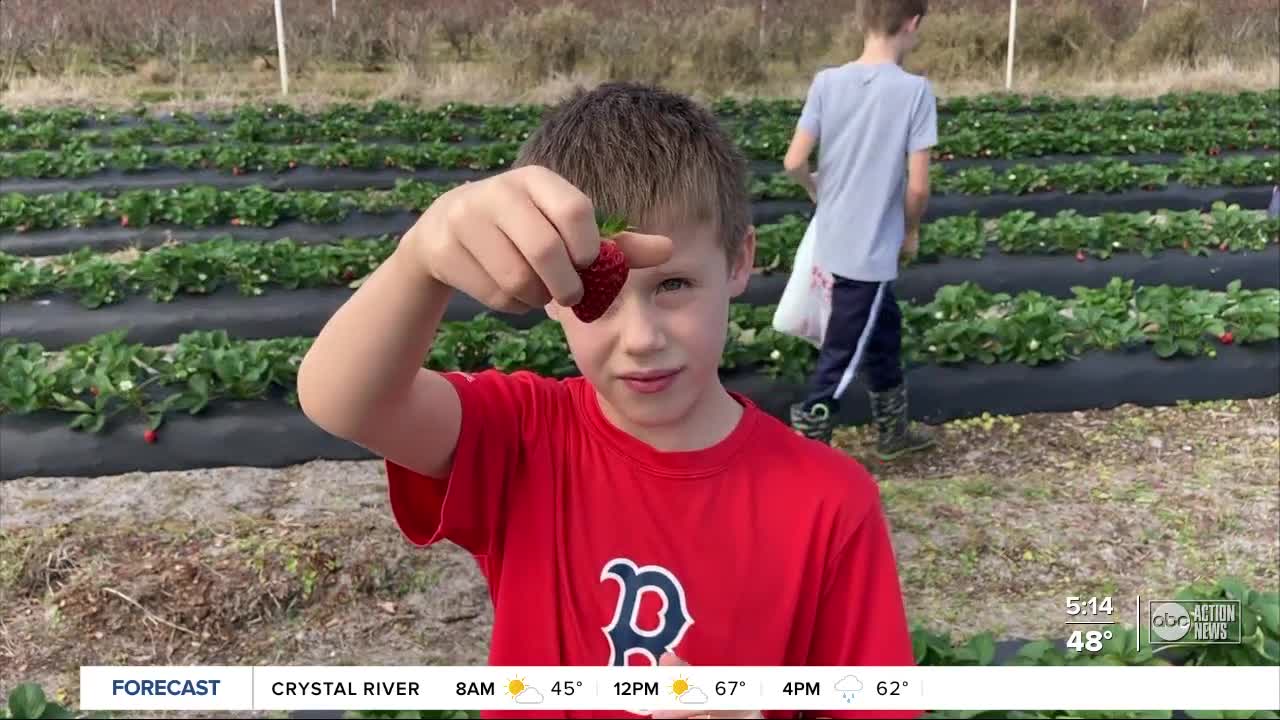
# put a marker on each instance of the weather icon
(686, 693)
(522, 693)
(849, 686)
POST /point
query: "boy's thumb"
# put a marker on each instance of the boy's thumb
(643, 250)
(670, 659)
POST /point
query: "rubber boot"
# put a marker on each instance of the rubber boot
(816, 423)
(896, 434)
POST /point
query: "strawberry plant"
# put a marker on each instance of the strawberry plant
(106, 376)
(1178, 319)
(28, 700)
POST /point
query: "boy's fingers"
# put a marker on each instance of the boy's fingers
(566, 208)
(643, 250)
(669, 658)
(544, 249)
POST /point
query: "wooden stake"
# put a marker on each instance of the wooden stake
(280, 51)
(1013, 31)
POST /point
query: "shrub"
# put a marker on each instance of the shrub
(1061, 35)
(638, 47)
(157, 72)
(960, 44)
(1171, 34)
(726, 49)
(553, 41)
(801, 33)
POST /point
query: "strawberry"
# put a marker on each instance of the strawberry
(1227, 338)
(1080, 256)
(293, 164)
(1224, 246)
(124, 221)
(236, 170)
(149, 436)
(601, 282)
(94, 391)
(236, 221)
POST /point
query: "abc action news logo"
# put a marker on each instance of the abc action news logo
(1195, 622)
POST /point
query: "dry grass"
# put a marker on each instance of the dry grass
(91, 51)
(209, 88)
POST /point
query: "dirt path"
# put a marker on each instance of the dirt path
(303, 565)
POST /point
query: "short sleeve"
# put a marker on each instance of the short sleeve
(466, 508)
(861, 619)
(811, 114)
(924, 121)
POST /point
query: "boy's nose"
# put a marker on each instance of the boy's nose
(640, 333)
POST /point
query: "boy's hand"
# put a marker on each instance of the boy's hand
(515, 241)
(910, 246)
(670, 659)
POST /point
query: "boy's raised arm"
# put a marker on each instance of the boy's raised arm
(363, 378)
(513, 242)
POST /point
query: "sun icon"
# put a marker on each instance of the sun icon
(680, 686)
(515, 686)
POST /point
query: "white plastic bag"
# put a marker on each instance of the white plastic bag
(805, 306)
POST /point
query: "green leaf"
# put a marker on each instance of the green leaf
(1269, 617)
(984, 648)
(27, 701)
(611, 225)
(54, 711)
(1035, 650)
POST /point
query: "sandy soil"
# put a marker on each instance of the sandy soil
(303, 565)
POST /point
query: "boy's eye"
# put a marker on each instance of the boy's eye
(673, 284)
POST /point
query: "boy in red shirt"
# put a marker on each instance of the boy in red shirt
(641, 511)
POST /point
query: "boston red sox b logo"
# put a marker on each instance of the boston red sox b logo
(625, 635)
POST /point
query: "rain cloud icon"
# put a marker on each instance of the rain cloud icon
(848, 686)
(530, 696)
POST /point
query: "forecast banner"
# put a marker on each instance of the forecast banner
(642, 690)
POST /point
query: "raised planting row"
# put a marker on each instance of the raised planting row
(202, 268)
(78, 160)
(1245, 101)
(385, 111)
(105, 376)
(960, 136)
(1021, 136)
(201, 206)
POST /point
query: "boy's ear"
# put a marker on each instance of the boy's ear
(740, 272)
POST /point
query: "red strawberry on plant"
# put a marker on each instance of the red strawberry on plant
(1080, 256)
(124, 221)
(94, 391)
(149, 436)
(1227, 338)
(1225, 246)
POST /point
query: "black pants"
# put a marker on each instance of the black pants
(864, 336)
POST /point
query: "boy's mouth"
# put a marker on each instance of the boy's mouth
(650, 381)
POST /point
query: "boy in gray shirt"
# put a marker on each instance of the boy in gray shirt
(876, 123)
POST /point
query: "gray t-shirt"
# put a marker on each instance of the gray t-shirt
(867, 118)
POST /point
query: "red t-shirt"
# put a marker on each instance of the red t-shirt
(765, 549)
